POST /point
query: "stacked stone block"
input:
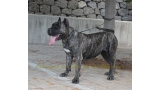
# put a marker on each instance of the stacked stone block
(79, 8)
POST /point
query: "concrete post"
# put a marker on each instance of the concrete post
(110, 7)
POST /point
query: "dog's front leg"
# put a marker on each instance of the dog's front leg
(78, 68)
(68, 65)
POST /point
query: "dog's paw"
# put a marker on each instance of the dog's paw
(75, 80)
(110, 77)
(107, 73)
(63, 74)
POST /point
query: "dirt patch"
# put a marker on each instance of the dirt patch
(100, 63)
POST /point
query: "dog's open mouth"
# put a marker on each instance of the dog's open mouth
(53, 39)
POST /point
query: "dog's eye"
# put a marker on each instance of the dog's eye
(56, 27)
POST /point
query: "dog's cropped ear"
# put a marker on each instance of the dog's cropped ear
(66, 23)
(59, 19)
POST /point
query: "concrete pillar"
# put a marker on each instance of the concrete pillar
(110, 7)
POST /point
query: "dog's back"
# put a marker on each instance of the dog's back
(94, 43)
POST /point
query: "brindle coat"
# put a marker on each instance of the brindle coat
(84, 46)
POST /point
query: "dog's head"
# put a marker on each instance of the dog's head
(58, 30)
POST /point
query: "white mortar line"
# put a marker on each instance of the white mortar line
(66, 80)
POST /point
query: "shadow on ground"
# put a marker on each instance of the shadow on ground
(100, 63)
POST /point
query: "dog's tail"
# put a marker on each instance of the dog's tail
(107, 30)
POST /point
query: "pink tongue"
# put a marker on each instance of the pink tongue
(52, 40)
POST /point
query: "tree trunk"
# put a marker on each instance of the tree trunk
(110, 7)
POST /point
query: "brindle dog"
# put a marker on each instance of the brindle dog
(84, 46)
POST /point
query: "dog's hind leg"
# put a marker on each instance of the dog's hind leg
(109, 54)
(110, 57)
(105, 55)
(69, 59)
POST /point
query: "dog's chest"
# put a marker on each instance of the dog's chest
(70, 46)
(66, 50)
(66, 47)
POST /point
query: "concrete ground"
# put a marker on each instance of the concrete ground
(45, 63)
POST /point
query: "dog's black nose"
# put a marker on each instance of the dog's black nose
(49, 31)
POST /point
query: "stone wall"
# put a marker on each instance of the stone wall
(79, 8)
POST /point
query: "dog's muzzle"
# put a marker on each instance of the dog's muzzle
(49, 31)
